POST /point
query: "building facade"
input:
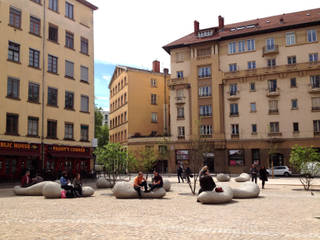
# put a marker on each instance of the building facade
(251, 89)
(47, 93)
(106, 119)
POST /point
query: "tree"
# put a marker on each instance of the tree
(103, 136)
(307, 161)
(98, 118)
(146, 160)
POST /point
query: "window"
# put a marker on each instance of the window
(180, 74)
(274, 127)
(36, 1)
(295, 127)
(292, 60)
(35, 25)
(206, 130)
(272, 85)
(316, 126)
(125, 116)
(242, 46)
(69, 40)
(234, 109)
(84, 104)
(69, 10)
(84, 46)
(294, 104)
(154, 117)
(205, 91)
(253, 107)
(315, 81)
(180, 112)
(34, 56)
(204, 72)
(52, 129)
(69, 100)
(233, 67)
(84, 133)
(33, 92)
(255, 156)
(204, 52)
(68, 131)
(52, 64)
(15, 17)
(179, 57)
(14, 52)
(313, 57)
(236, 157)
(232, 47)
(251, 44)
(181, 132)
(84, 74)
(205, 110)
(273, 106)
(316, 103)
(290, 38)
(252, 86)
(13, 87)
(52, 96)
(233, 89)
(53, 5)
(270, 44)
(234, 129)
(125, 98)
(153, 82)
(12, 124)
(33, 123)
(312, 35)
(251, 64)
(153, 99)
(69, 68)
(293, 82)
(53, 33)
(253, 128)
(271, 62)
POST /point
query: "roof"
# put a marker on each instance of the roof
(251, 27)
(88, 4)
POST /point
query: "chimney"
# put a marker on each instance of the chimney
(221, 22)
(196, 27)
(156, 66)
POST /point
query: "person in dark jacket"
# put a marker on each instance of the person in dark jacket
(263, 175)
(206, 182)
(254, 173)
(157, 181)
(179, 173)
(77, 184)
(188, 173)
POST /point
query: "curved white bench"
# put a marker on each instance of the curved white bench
(166, 185)
(87, 191)
(221, 177)
(103, 183)
(52, 190)
(33, 190)
(126, 190)
(216, 197)
(246, 190)
(244, 177)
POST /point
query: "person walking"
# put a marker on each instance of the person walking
(179, 173)
(188, 173)
(254, 173)
(263, 175)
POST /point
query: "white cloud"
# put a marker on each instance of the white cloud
(101, 98)
(106, 77)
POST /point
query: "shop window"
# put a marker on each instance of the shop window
(236, 157)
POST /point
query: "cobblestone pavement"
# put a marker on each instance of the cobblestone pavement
(283, 211)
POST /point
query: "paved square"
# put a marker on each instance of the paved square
(281, 212)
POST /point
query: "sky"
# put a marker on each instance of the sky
(133, 32)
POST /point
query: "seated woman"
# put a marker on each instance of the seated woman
(77, 184)
(26, 180)
(65, 184)
(206, 182)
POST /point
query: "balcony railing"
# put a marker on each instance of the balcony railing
(180, 100)
(314, 88)
(273, 92)
(270, 50)
(274, 134)
(177, 81)
(233, 95)
(273, 111)
(234, 135)
(316, 109)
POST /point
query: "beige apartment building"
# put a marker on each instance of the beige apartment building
(47, 93)
(252, 89)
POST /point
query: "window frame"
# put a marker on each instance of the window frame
(68, 131)
(31, 91)
(15, 16)
(87, 103)
(52, 97)
(52, 64)
(69, 66)
(68, 101)
(13, 88)
(53, 36)
(13, 52)
(52, 126)
(69, 10)
(69, 40)
(84, 137)
(84, 46)
(14, 120)
(53, 5)
(34, 58)
(33, 129)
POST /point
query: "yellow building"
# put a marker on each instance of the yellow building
(251, 88)
(47, 93)
(138, 106)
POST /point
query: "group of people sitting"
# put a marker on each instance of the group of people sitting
(140, 182)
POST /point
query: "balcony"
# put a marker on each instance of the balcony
(270, 51)
(232, 96)
(273, 92)
(177, 81)
(273, 112)
(235, 135)
(315, 109)
(314, 88)
(316, 134)
(274, 134)
(234, 114)
(180, 100)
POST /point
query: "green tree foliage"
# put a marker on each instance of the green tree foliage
(103, 136)
(146, 160)
(307, 161)
(98, 118)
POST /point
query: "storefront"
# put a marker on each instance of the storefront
(15, 157)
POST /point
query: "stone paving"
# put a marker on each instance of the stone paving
(283, 211)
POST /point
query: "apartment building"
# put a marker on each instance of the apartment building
(47, 93)
(251, 88)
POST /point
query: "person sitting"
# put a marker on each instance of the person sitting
(37, 178)
(77, 184)
(203, 171)
(26, 180)
(206, 182)
(66, 185)
(139, 182)
(157, 181)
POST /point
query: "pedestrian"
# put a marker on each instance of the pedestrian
(263, 175)
(188, 173)
(254, 173)
(179, 173)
